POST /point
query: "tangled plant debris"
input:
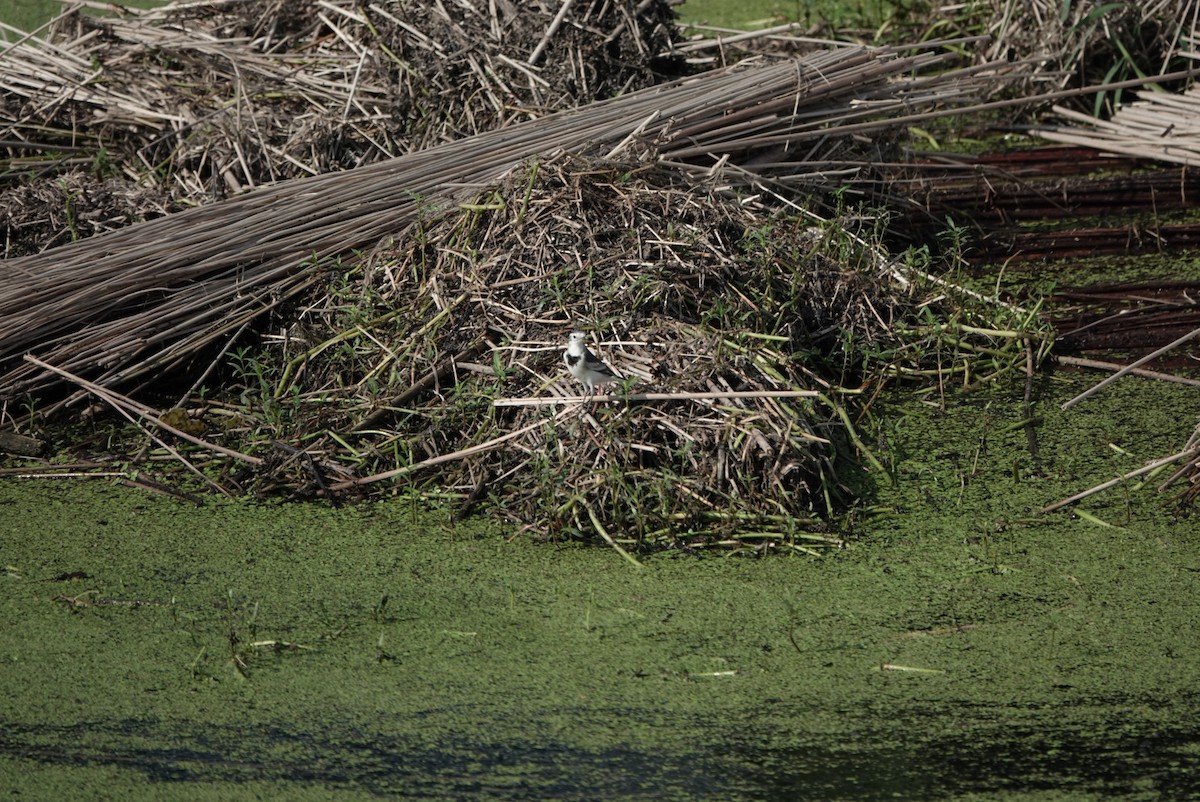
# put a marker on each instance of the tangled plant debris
(225, 96)
(411, 311)
(780, 129)
(700, 300)
(113, 120)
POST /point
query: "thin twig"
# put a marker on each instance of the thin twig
(553, 29)
(638, 397)
(1191, 452)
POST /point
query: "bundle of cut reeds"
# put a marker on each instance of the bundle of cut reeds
(1160, 126)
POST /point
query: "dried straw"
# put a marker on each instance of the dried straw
(275, 90)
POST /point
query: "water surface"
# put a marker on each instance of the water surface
(961, 646)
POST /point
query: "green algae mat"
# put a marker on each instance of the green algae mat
(962, 646)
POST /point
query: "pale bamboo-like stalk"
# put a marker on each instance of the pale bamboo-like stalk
(638, 397)
(1158, 463)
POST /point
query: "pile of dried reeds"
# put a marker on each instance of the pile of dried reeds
(733, 316)
(133, 303)
(437, 363)
(278, 89)
(1158, 126)
(1078, 43)
(196, 101)
(422, 300)
(725, 320)
(1155, 125)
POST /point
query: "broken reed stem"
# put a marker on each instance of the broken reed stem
(1128, 369)
(1158, 463)
(639, 397)
(142, 483)
(550, 31)
(439, 373)
(121, 403)
(116, 402)
(1191, 465)
(852, 433)
(1080, 362)
(722, 37)
(33, 473)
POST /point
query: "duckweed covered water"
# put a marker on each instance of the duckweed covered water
(962, 647)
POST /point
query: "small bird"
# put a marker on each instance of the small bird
(584, 365)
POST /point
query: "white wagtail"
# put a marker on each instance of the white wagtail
(584, 365)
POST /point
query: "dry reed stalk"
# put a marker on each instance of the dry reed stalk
(278, 90)
(128, 405)
(440, 459)
(1113, 367)
(1189, 454)
(1191, 335)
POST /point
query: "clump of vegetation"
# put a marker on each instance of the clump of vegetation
(744, 335)
(698, 298)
